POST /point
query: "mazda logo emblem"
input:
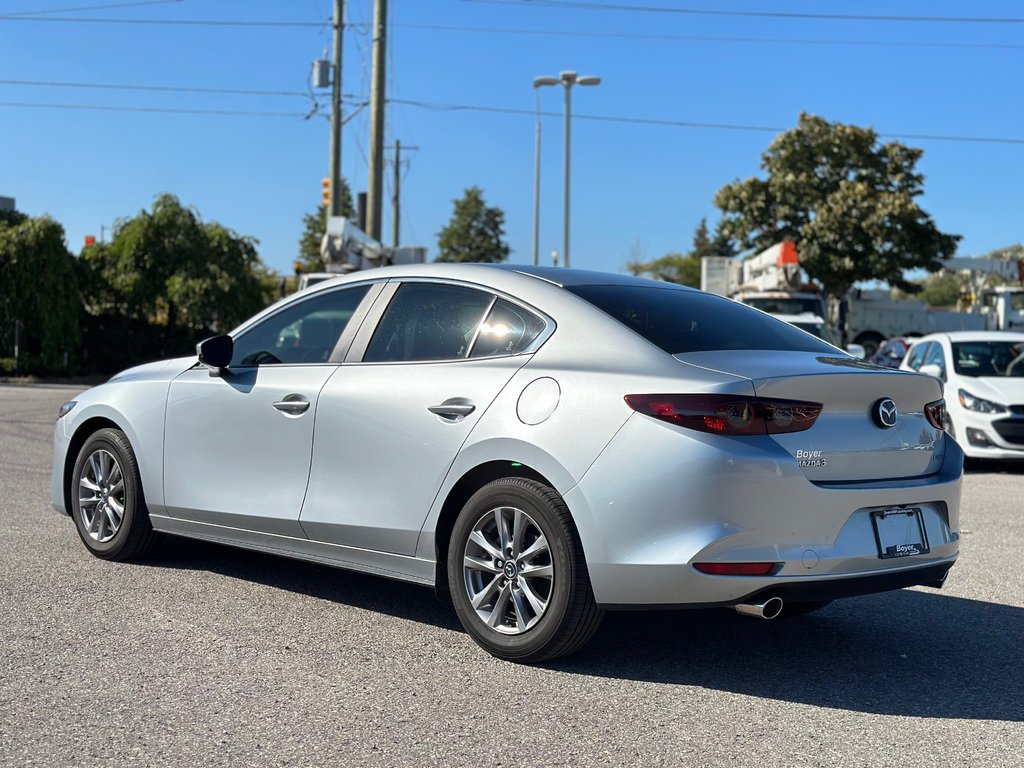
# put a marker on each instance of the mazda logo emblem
(884, 413)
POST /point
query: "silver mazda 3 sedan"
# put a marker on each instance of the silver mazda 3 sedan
(539, 445)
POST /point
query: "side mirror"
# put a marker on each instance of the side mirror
(857, 350)
(932, 369)
(215, 352)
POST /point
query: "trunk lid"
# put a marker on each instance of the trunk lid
(847, 442)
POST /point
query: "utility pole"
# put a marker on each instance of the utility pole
(335, 174)
(396, 199)
(375, 187)
(395, 228)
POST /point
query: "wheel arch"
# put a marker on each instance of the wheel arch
(469, 483)
(83, 432)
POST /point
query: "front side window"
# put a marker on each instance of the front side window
(305, 332)
(428, 321)
(936, 357)
(681, 321)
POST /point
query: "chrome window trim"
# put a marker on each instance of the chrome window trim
(479, 325)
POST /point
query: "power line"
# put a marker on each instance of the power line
(705, 38)
(592, 6)
(105, 6)
(161, 110)
(155, 88)
(443, 107)
(692, 124)
(171, 22)
(360, 29)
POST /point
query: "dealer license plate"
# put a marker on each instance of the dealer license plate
(899, 532)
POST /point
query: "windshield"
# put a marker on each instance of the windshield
(680, 321)
(989, 358)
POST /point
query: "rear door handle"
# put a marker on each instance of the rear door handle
(292, 405)
(453, 409)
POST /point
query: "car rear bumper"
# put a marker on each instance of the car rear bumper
(807, 590)
(694, 498)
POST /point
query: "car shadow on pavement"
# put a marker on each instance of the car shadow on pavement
(910, 653)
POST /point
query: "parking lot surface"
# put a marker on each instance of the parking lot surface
(205, 655)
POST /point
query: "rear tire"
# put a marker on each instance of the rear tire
(106, 499)
(517, 573)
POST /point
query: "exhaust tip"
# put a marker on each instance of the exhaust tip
(769, 609)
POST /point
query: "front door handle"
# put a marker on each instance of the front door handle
(292, 405)
(453, 409)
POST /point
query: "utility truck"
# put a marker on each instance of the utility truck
(774, 282)
(346, 248)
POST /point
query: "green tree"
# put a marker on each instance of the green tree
(672, 268)
(943, 289)
(314, 225)
(845, 199)
(170, 268)
(39, 291)
(680, 268)
(705, 245)
(475, 232)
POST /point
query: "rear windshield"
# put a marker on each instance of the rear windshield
(681, 321)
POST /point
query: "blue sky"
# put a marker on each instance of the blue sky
(637, 189)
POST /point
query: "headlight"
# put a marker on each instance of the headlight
(66, 409)
(972, 403)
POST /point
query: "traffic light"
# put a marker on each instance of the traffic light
(90, 240)
(326, 183)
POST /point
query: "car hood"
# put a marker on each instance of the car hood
(1005, 391)
(162, 369)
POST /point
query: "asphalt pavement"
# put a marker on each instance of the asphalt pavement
(209, 656)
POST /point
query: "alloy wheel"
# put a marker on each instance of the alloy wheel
(101, 496)
(508, 570)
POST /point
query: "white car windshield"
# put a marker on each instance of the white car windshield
(989, 358)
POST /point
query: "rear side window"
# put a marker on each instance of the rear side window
(681, 321)
(508, 330)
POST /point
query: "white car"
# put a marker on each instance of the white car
(983, 378)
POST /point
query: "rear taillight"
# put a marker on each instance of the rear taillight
(728, 414)
(738, 569)
(936, 414)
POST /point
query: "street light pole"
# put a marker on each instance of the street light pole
(568, 80)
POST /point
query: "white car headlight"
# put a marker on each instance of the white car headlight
(66, 409)
(972, 403)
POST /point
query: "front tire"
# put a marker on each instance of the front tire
(106, 498)
(517, 573)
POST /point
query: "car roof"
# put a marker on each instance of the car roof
(959, 336)
(803, 317)
(559, 276)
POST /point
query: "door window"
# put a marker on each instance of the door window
(305, 332)
(935, 356)
(428, 321)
